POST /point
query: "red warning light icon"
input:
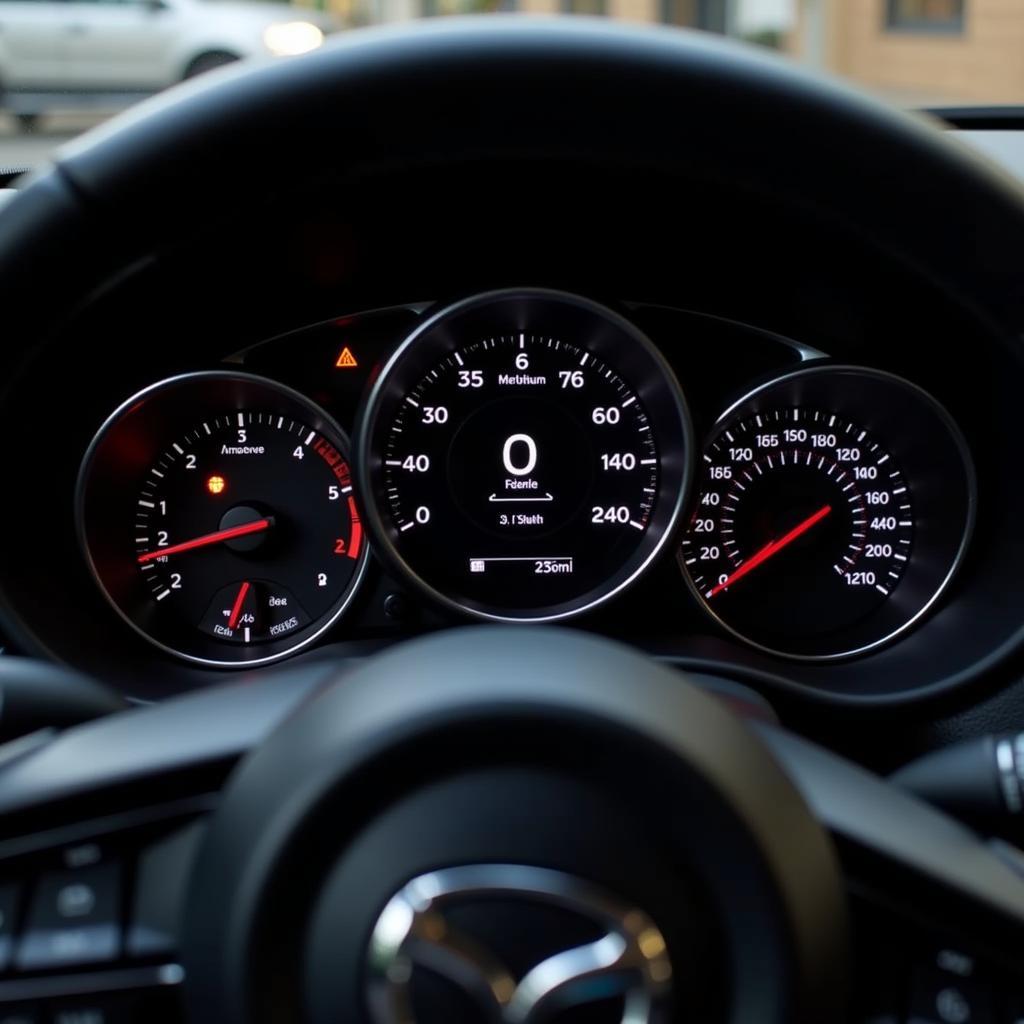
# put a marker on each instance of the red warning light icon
(346, 361)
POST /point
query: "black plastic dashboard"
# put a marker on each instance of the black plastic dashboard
(717, 359)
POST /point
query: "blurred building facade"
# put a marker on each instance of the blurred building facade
(703, 14)
(918, 51)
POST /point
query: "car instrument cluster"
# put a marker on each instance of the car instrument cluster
(523, 455)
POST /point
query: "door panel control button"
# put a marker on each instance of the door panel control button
(89, 1011)
(940, 997)
(74, 919)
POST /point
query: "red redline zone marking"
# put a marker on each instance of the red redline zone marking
(335, 460)
(357, 529)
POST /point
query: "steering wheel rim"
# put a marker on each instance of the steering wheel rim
(173, 166)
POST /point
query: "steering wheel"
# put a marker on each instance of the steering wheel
(513, 824)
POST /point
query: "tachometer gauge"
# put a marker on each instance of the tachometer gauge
(526, 454)
(219, 516)
(833, 508)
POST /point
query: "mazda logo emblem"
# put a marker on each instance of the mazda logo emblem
(624, 956)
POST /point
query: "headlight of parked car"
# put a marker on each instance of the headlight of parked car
(290, 38)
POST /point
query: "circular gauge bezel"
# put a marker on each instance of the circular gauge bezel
(820, 386)
(533, 310)
(175, 404)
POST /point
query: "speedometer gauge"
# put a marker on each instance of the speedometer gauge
(527, 453)
(833, 509)
(219, 517)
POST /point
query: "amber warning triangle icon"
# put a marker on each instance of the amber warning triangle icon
(346, 360)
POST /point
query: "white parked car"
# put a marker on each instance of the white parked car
(75, 53)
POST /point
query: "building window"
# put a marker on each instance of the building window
(705, 14)
(593, 7)
(925, 15)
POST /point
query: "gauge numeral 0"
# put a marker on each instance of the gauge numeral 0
(529, 463)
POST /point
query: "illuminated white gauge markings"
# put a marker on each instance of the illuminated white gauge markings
(521, 474)
(803, 524)
(629, 465)
(218, 515)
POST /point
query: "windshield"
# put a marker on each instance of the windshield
(65, 65)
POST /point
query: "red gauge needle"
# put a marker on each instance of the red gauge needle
(256, 526)
(773, 547)
(239, 601)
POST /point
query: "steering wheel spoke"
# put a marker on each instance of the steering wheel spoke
(105, 911)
